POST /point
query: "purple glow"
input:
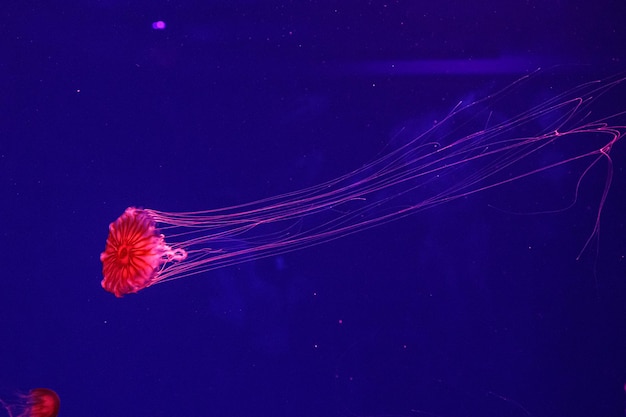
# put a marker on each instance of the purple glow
(158, 25)
(501, 65)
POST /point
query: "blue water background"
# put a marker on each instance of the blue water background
(466, 309)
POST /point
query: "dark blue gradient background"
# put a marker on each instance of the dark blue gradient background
(447, 313)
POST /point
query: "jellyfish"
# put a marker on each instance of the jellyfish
(39, 402)
(466, 152)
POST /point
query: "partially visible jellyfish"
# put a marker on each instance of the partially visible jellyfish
(39, 402)
(465, 153)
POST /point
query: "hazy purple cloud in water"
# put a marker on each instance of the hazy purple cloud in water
(502, 65)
